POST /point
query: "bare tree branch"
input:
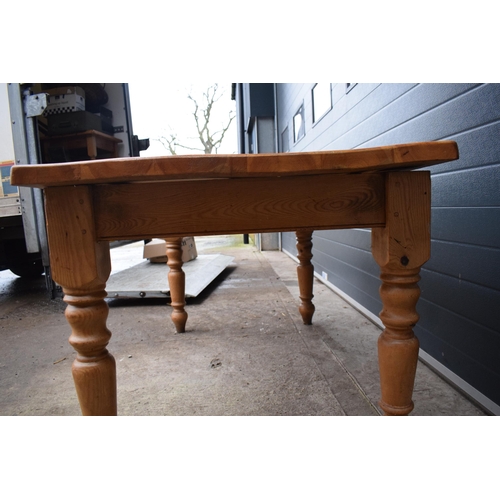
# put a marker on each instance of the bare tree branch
(202, 117)
(169, 143)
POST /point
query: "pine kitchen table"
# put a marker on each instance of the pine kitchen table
(90, 203)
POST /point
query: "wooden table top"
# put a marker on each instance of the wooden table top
(136, 169)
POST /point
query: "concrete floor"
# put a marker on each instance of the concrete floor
(245, 352)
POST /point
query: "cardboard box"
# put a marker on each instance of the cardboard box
(65, 100)
(156, 250)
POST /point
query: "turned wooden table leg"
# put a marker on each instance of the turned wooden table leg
(92, 147)
(94, 369)
(305, 274)
(397, 345)
(177, 283)
(400, 248)
(81, 265)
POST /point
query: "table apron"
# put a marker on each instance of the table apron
(234, 206)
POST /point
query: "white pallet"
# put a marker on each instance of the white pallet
(151, 280)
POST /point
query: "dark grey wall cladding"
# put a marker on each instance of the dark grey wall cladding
(460, 301)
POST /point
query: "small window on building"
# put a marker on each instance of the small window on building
(285, 142)
(298, 125)
(349, 87)
(322, 100)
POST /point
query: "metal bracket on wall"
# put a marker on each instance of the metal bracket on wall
(35, 105)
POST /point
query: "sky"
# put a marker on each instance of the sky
(167, 109)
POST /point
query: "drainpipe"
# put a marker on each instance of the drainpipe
(276, 142)
(241, 118)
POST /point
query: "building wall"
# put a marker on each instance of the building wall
(459, 306)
